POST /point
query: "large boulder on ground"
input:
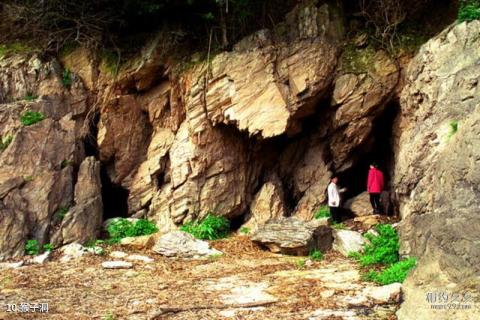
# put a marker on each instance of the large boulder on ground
(267, 204)
(293, 236)
(359, 205)
(348, 241)
(180, 244)
(437, 172)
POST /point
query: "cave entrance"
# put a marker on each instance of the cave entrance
(115, 197)
(379, 150)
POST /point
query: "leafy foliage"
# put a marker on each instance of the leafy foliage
(244, 230)
(67, 78)
(47, 247)
(61, 212)
(65, 163)
(338, 225)
(316, 255)
(29, 117)
(453, 128)
(382, 248)
(5, 142)
(397, 272)
(323, 212)
(122, 228)
(32, 247)
(469, 10)
(210, 228)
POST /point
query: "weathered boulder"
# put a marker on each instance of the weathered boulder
(267, 204)
(437, 174)
(348, 241)
(360, 205)
(391, 293)
(141, 242)
(180, 244)
(293, 236)
(369, 221)
(84, 220)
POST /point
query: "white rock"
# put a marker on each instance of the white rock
(96, 250)
(327, 293)
(11, 265)
(118, 254)
(347, 241)
(183, 245)
(117, 265)
(384, 294)
(72, 251)
(329, 314)
(40, 259)
(137, 257)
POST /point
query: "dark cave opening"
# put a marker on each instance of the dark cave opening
(115, 197)
(90, 140)
(379, 150)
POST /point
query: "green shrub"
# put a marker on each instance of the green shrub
(323, 212)
(65, 163)
(122, 228)
(47, 247)
(244, 230)
(61, 212)
(338, 225)
(396, 272)
(5, 142)
(316, 255)
(29, 117)
(210, 228)
(453, 128)
(32, 247)
(382, 249)
(469, 10)
(67, 78)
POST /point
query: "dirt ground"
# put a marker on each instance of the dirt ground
(244, 283)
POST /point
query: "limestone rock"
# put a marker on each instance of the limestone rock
(267, 204)
(360, 205)
(118, 254)
(116, 265)
(347, 241)
(83, 221)
(368, 221)
(141, 242)
(437, 175)
(385, 294)
(11, 265)
(41, 258)
(72, 251)
(137, 257)
(180, 244)
(293, 236)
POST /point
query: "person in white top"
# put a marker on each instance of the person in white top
(334, 198)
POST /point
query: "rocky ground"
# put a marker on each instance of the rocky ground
(244, 283)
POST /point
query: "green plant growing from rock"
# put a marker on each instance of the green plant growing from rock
(67, 78)
(32, 247)
(30, 97)
(65, 163)
(338, 225)
(5, 142)
(382, 249)
(212, 227)
(14, 48)
(323, 212)
(47, 247)
(29, 117)
(453, 128)
(122, 228)
(396, 272)
(244, 230)
(469, 10)
(316, 255)
(61, 212)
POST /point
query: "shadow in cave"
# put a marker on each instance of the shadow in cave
(380, 151)
(115, 197)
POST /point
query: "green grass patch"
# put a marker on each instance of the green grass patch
(121, 228)
(14, 48)
(5, 142)
(244, 230)
(212, 227)
(47, 247)
(396, 272)
(453, 128)
(300, 263)
(469, 10)
(29, 117)
(32, 247)
(316, 255)
(338, 225)
(355, 60)
(323, 212)
(110, 62)
(382, 249)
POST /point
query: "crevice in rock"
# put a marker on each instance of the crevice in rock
(115, 197)
(90, 140)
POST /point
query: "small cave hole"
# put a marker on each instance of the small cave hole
(115, 197)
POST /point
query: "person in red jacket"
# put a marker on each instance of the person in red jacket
(375, 187)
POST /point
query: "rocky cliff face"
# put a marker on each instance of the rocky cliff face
(437, 171)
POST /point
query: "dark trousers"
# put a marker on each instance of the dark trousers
(375, 202)
(335, 213)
